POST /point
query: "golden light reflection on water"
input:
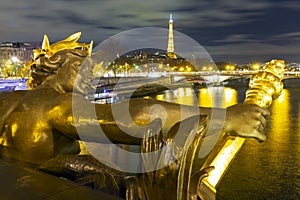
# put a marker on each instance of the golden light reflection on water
(206, 97)
(217, 97)
(280, 114)
(185, 96)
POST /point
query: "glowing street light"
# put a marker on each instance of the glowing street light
(255, 66)
(230, 67)
(15, 59)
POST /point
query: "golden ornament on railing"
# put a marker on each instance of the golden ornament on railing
(264, 87)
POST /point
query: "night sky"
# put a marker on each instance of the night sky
(238, 31)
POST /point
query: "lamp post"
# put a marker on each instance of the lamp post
(15, 64)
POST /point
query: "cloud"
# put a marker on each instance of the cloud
(290, 36)
(254, 52)
(220, 24)
(237, 38)
(120, 15)
(225, 13)
(254, 49)
(291, 5)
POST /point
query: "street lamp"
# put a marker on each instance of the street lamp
(15, 65)
(15, 59)
(255, 66)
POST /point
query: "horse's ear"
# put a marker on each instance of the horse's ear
(46, 43)
(74, 37)
(90, 48)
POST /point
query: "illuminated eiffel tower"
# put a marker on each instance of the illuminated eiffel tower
(170, 50)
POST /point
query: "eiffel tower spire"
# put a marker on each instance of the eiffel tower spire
(170, 49)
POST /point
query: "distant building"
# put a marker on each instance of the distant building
(13, 56)
(293, 67)
(21, 51)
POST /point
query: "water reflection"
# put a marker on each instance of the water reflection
(280, 120)
(185, 96)
(217, 97)
(205, 97)
(269, 170)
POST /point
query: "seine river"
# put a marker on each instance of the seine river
(269, 170)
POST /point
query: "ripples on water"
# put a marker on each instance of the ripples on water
(269, 170)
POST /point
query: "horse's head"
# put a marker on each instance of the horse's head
(65, 62)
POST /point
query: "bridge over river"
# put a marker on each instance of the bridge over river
(168, 79)
(200, 77)
(217, 77)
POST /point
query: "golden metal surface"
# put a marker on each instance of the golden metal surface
(40, 126)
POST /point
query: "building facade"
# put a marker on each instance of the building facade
(13, 56)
